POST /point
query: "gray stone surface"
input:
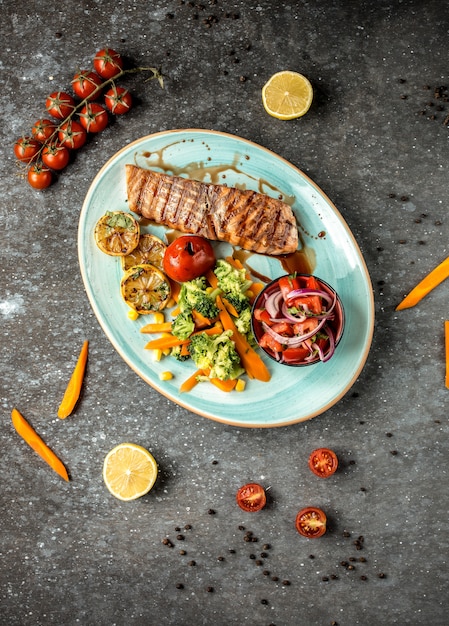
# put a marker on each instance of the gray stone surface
(72, 554)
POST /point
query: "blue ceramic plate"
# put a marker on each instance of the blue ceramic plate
(326, 243)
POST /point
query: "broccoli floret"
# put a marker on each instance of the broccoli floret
(176, 353)
(193, 295)
(243, 322)
(183, 326)
(216, 353)
(233, 283)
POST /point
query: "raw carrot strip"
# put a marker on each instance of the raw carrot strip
(230, 308)
(429, 282)
(171, 341)
(234, 262)
(446, 333)
(185, 350)
(73, 390)
(224, 385)
(251, 361)
(191, 381)
(164, 327)
(200, 320)
(28, 434)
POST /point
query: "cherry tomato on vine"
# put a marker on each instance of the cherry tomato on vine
(84, 84)
(60, 104)
(323, 462)
(188, 257)
(39, 176)
(108, 63)
(26, 148)
(43, 130)
(56, 157)
(93, 117)
(251, 497)
(311, 522)
(118, 100)
(72, 135)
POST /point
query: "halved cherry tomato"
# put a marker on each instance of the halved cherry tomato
(26, 148)
(108, 63)
(323, 462)
(311, 522)
(43, 130)
(39, 176)
(56, 157)
(72, 135)
(188, 257)
(251, 497)
(93, 117)
(118, 100)
(60, 104)
(85, 83)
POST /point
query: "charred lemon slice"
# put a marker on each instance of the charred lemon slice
(117, 233)
(145, 288)
(150, 249)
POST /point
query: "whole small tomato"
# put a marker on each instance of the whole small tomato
(39, 176)
(323, 462)
(188, 257)
(251, 497)
(60, 104)
(311, 522)
(26, 149)
(118, 100)
(43, 130)
(108, 63)
(56, 157)
(93, 117)
(85, 83)
(72, 135)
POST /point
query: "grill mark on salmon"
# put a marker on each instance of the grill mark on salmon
(248, 219)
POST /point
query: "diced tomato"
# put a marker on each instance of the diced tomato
(283, 328)
(295, 355)
(269, 343)
(301, 328)
(312, 303)
(287, 284)
(262, 315)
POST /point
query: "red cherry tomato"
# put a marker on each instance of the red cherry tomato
(108, 63)
(118, 100)
(26, 148)
(72, 135)
(85, 83)
(43, 130)
(39, 176)
(60, 104)
(323, 462)
(311, 522)
(251, 497)
(56, 157)
(188, 257)
(93, 117)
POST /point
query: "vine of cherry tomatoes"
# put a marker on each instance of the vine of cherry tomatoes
(47, 149)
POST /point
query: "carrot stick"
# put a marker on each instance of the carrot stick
(185, 350)
(428, 283)
(446, 333)
(230, 308)
(191, 381)
(171, 341)
(251, 361)
(73, 390)
(163, 327)
(28, 434)
(200, 320)
(224, 385)
(212, 279)
(175, 290)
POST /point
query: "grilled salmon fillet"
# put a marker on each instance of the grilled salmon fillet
(247, 219)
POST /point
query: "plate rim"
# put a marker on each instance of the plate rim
(362, 265)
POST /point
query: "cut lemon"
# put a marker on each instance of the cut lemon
(129, 471)
(287, 95)
(150, 249)
(145, 288)
(117, 233)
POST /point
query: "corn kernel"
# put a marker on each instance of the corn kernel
(158, 317)
(165, 376)
(133, 315)
(240, 385)
(157, 354)
(249, 294)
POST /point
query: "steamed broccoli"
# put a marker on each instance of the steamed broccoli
(243, 322)
(176, 353)
(216, 353)
(183, 325)
(233, 283)
(193, 295)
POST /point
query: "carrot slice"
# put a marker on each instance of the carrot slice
(212, 279)
(224, 385)
(230, 307)
(191, 381)
(200, 320)
(163, 327)
(446, 333)
(73, 390)
(429, 282)
(251, 361)
(28, 434)
(171, 341)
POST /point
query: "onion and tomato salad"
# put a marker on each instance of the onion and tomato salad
(298, 320)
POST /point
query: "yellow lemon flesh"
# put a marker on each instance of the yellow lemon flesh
(150, 249)
(287, 95)
(117, 233)
(129, 471)
(145, 288)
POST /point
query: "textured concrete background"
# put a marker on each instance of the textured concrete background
(375, 142)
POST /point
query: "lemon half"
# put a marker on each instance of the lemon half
(287, 95)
